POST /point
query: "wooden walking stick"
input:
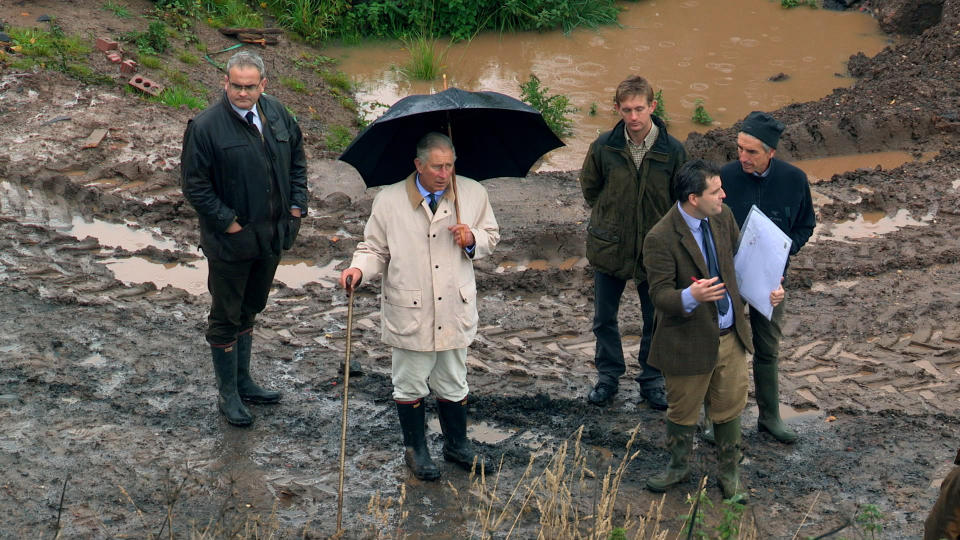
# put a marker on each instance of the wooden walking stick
(346, 387)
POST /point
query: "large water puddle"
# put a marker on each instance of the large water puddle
(193, 277)
(822, 169)
(868, 225)
(721, 52)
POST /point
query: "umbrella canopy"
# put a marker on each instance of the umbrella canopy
(494, 135)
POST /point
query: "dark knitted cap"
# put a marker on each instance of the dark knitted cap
(762, 126)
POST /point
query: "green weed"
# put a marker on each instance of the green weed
(593, 109)
(177, 95)
(294, 84)
(338, 138)
(153, 41)
(660, 110)
(700, 114)
(798, 3)
(117, 9)
(871, 519)
(694, 523)
(308, 18)
(426, 62)
(556, 109)
(55, 50)
(187, 58)
(731, 523)
(150, 61)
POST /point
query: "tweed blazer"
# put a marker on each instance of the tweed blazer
(687, 343)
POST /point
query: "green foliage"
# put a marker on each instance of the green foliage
(797, 3)
(150, 61)
(225, 13)
(425, 63)
(338, 138)
(117, 9)
(618, 534)
(187, 58)
(311, 19)
(729, 526)
(153, 41)
(555, 109)
(700, 114)
(294, 84)
(177, 95)
(871, 519)
(593, 109)
(55, 50)
(659, 110)
(319, 20)
(696, 520)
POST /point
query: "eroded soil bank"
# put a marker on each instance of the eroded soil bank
(107, 386)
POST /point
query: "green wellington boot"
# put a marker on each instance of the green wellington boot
(415, 452)
(766, 388)
(228, 400)
(728, 459)
(249, 390)
(457, 448)
(679, 444)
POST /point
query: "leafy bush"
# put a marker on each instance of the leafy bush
(318, 20)
(555, 109)
(153, 41)
(700, 114)
(659, 110)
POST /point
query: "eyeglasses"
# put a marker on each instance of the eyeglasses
(244, 88)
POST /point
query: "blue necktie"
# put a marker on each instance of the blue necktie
(433, 202)
(250, 117)
(711, 255)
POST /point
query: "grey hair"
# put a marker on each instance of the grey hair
(246, 59)
(431, 141)
(766, 147)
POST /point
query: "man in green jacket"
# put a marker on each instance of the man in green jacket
(626, 181)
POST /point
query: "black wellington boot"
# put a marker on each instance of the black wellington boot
(249, 390)
(228, 400)
(415, 452)
(457, 448)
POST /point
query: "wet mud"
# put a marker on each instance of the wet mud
(106, 386)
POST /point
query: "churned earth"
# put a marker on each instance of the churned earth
(107, 398)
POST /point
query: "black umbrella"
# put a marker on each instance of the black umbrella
(494, 135)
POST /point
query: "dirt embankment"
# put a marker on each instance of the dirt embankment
(108, 383)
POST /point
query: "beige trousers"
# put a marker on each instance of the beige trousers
(416, 373)
(724, 389)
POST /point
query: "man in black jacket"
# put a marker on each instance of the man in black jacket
(243, 169)
(780, 191)
(626, 181)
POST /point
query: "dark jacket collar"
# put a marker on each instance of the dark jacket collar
(617, 138)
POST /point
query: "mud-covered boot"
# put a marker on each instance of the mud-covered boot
(706, 427)
(457, 448)
(228, 400)
(767, 390)
(415, 452)
(249, 390)
(679, 444)
(728, 459)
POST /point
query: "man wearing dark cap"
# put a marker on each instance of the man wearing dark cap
(780, 191)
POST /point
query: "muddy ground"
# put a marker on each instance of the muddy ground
(106, 387)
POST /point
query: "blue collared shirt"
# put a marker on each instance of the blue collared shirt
(689, 302)
(437, 195)
(243, 114)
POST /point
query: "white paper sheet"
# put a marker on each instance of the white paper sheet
(760, 260)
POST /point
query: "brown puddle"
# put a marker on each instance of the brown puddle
(720, 52)
(193, 277)
(868, 225)
(541, 264)
(823, 169)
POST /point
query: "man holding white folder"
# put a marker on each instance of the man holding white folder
(782, 193)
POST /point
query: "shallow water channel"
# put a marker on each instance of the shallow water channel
(723, 53)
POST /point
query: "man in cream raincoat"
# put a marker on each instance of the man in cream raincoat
(429, 294)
